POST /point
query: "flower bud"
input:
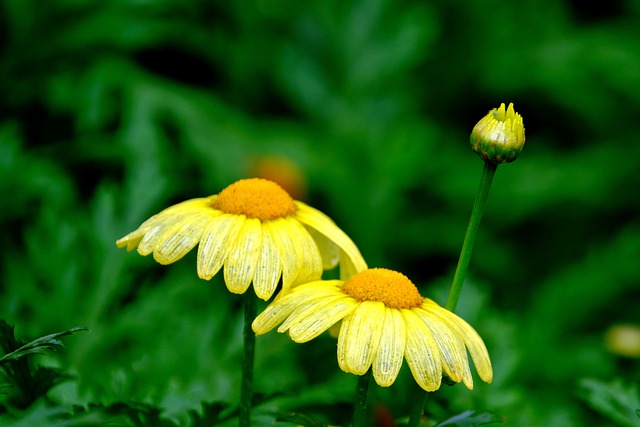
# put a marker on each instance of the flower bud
(499, 136)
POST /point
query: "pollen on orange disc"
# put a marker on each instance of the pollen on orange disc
(393, 289)
(255, 198)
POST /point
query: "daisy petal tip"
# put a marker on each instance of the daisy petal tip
(258, 329)
(144, 252)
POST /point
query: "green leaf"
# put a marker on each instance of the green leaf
(615, 400)
(28, 382)
(42, 414)
(301, 419)
(139, 414)
(211, 415)
(37, 346)
(472, 419)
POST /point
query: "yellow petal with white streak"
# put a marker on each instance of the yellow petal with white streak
(321, 316)
(329, 251)
(281, 233)
(282, 308)
(163, 228)
(324, 225)
(360, 336)
(269, 267)
(241, 262)
(388, 359)
(179, 239)
(216, 240)
(422, 353)
(452, 349)
(309, 297)
(472, 340)
(132, 240)
(310, 261)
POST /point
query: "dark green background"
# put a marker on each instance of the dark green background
(112, 110)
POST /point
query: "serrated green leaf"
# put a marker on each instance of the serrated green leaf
(615, 400)
(140, 414)
(37, 346)
(301, 419)
(211, 414)
(43, 415)
(472, 419)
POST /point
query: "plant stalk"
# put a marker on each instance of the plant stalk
(360, 408)
(461, 270)
(417, 409)
(249, 344)
(470, 237)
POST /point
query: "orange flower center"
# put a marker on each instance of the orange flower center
(255, 198)
(393, 289)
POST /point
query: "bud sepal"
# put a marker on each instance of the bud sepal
(499, 136)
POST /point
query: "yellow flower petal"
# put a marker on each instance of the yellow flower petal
(269, 267)
(132, 239)
(324, 225)
(307, 298)
(422, 353)
(388, 358)
(158, 231)
(176, 241)
(329, 251)
(279, 310)
(452, 349)
(360, 337)
(240, 265)
(472, 340)
(310, 261)
(280, 231)
(321, 316)
(347, 268)
(214, 246)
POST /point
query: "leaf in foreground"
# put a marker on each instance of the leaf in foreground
(37, 346)
(472, 419)
(615, 400)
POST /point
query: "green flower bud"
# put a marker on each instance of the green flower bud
(499, 136)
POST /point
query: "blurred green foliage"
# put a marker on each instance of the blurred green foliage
(112, 110)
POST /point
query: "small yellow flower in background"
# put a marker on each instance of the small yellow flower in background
(282, 170)
(499, 136)
(623, 339)
(384, 319)
(256, 231)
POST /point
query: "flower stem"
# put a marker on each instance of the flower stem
(360, 407)
(472, 229)
(461, 270)
(249, 344)
(417, 409)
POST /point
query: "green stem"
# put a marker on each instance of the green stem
(461, 270)
(360, 407)
(469, 239)
(249, 341)
(417, 409)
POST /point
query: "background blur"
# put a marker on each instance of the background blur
(113, 110)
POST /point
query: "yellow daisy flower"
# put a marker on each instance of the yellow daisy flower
(384, 319)
(256, 231)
